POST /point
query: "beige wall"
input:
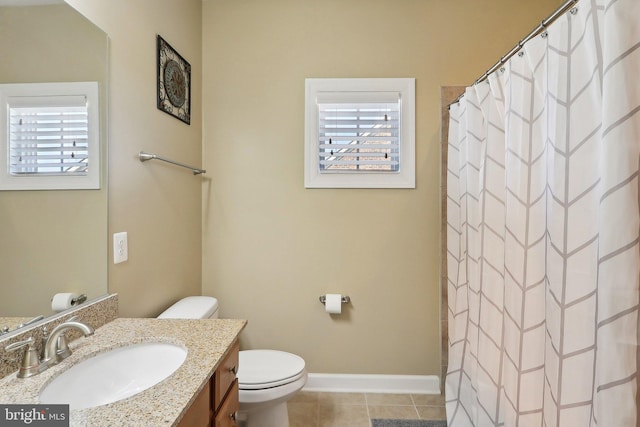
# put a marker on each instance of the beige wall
(271, 247)
(263, 233)
(52, 241)
(158, 204)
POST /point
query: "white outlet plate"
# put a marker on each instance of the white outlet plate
(120, 247)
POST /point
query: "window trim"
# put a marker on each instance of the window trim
(319, 88)
(90, 180)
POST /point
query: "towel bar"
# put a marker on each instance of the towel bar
(148, 156)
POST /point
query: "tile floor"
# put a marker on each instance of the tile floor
(313, 409)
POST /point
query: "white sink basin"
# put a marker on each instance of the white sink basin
(114, 375)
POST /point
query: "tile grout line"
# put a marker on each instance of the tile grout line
(415, 407)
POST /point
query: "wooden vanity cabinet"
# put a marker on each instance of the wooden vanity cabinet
(217, 403)
(199, 413)
(226, 414)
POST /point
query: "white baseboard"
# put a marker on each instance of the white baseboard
(358, 383)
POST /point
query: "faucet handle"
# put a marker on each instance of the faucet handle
(31, 321)
(30, 360)
(18, 345)
(63, 349)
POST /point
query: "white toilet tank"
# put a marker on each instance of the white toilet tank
(195, 307)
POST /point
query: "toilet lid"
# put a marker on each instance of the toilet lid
(258, 369)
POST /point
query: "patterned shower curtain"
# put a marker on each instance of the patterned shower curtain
(543, 224)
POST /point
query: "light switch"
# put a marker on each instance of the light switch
(120, 247)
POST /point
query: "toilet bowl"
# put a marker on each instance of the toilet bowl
(267, 379)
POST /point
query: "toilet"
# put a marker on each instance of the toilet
(267, 379)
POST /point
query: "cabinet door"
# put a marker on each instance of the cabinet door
(199, 413)
(226, 415)
(225, 375)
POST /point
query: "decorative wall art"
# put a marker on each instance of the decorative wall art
(174, 82)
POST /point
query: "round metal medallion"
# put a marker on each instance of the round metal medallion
(175, 83)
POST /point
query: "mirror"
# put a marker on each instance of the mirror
(52, 241)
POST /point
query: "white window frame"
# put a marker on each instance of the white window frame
(30, 94)
(353, 90)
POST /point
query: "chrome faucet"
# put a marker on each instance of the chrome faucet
(52, 355)
(55, 348)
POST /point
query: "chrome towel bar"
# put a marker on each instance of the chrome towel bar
(148, 156)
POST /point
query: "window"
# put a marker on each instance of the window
(49, 136)
(360, 133)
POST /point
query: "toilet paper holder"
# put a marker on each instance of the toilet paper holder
(345, 299)
(79, 299)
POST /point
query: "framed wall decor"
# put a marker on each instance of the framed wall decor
(174, 82)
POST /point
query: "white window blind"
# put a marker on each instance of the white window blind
(50, 139)
(359, 136)
(49, 136)
(360, 133)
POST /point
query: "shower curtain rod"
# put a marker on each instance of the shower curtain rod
(538, 30)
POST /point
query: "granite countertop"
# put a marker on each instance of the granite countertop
(164, 404)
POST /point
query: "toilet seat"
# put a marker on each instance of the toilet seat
(262, 369)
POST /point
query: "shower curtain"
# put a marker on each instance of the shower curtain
(543, 222)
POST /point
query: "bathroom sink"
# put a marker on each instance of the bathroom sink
(114, 375)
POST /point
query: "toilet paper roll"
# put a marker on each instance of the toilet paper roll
(333, 303)
(62, 301)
